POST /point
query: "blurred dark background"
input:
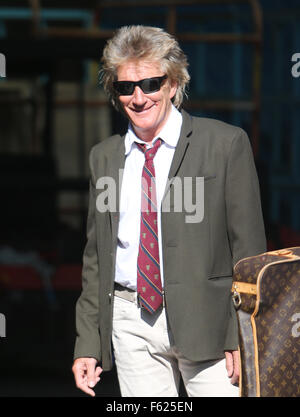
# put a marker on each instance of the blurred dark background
(52, 111)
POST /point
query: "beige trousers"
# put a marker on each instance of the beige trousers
(149, 365)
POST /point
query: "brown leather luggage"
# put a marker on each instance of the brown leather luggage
(266, 294)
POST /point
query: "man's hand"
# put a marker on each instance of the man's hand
(232, 365)
(86, 374)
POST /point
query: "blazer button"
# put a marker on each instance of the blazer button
(109, 296)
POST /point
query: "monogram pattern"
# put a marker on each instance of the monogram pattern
(269, 347)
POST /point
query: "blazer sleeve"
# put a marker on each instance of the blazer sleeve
(245, 223)
(87, 342)
(244, 216)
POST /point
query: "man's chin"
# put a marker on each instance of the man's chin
(142, 124)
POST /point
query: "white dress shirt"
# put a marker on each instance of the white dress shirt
(130, 200)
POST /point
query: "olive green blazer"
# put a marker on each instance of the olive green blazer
(198, 258)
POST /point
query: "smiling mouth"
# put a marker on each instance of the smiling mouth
(141, 111)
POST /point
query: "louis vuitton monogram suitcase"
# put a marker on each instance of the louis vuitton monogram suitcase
(266, 294)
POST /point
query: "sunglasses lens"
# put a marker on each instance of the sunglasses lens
(125, 88)
(150, 85)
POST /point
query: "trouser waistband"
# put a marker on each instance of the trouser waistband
(128, 294)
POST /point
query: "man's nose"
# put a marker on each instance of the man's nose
(138, 96)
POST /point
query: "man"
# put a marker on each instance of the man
(156, 279)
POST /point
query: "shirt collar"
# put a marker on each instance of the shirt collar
(170, 132)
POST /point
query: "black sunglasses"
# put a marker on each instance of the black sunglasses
(148, 85)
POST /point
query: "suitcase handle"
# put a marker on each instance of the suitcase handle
(283, 252)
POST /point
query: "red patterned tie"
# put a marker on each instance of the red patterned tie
(149, 286)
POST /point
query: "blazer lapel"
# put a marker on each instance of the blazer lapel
(181, 148)
(115, 171)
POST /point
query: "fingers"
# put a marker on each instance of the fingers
(229, 363)
(236, 367)
(91, 374)
(232, 365)
(98, 372)
(86, 374)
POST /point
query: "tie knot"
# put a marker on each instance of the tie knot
(151, 152)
